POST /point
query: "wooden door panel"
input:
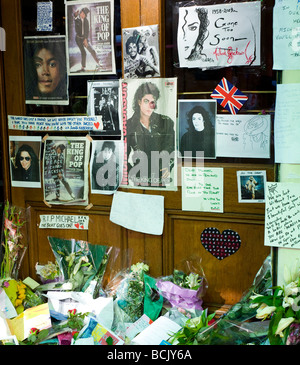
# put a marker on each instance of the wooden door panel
(229, 278)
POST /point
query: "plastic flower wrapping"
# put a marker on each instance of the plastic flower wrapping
(81, 264)
(282, 307)
(185, 290)
(13, 246)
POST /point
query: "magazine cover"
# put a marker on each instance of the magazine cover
(141, 52)
(90, 37)
(66, 162)
(103, 101)
(25, 161)
(197, 128)
(45, 71)
(149, 133)
(106, 166)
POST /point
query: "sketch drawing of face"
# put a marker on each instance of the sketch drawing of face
(190, 32)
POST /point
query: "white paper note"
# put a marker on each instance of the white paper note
(286, 125)
(282, 215)
(202, 189)
(138, 212)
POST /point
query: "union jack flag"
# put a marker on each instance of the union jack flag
(229, 96)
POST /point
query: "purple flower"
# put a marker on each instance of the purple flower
(294, 335)
(6, 284)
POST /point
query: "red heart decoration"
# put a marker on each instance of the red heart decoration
(77, 225)
(81, 227)
(97, 124)
(220, 245)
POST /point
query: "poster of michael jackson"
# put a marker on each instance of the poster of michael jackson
(45, 70)
(103, 100)
(65, 170)
(149, 115)
(90, 37)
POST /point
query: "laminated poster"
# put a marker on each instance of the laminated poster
(45, 70)
(141, 52)
(106, 166)
(251, 186)
(221, 35)
(66, 170)
(149, 130)
(282, 215)
(103, 102)
(25, 157)
(90, 37)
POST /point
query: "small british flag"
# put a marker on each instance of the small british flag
(229, 96)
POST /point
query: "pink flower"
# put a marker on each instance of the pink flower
(6, 284)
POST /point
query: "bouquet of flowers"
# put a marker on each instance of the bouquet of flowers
(130, 292)
(79, 262)
(283, 307)
(184, 290)
(13, 249)
(49, 272)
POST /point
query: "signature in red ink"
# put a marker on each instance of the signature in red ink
(230, 53)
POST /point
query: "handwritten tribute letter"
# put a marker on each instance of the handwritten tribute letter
(202, 189)
(286, 33)
(282, 215)
(220, 35)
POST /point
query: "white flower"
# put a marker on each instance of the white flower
(254, 305)
(287, 302)
(283, 324)
(292, 273)
(291, 289)
(10, 245)
(139, 267)
(264, 311)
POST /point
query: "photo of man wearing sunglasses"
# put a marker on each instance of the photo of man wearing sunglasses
(27, 164)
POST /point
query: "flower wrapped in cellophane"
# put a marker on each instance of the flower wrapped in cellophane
(13, 246)
(80, 263)
(184, 290)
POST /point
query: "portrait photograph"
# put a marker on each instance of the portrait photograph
(25, 161)
(196, 128)
(251, 186)
(46, 79)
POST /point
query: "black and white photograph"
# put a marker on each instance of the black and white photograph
(141, 52)
(90, 37)
(106, 166)
(45, 70)
(251, 186)
(196, 128)
(103, 101)
(66, 170)
(149, 133)
(25, 161)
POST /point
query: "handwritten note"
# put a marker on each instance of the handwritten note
(286, 125)
(221, 35)
(44, 16)
(246, 136)
(58, 221)
(202, 189)
(282, 215)
(286, 33)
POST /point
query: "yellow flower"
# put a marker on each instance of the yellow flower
(283, 324)
(18, 302)
(264, 311)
